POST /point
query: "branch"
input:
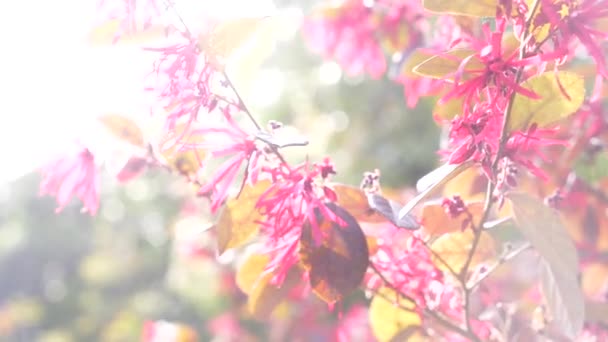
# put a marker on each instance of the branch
(507, 255)
(468, 334)
(489, 200)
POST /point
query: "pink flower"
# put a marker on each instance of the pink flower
(580, 19)
(404, 260)
(293, 199)
(183, 81)
(134, 15)
(350, 33)
(72, 175)
(354, 326)
(223, 140)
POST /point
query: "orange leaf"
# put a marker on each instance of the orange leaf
(435, 221)
(354, 200)
(187, 162)
(123, 128)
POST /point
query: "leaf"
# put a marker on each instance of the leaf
(131, 169)
(592, 171)
(354, 200)
(238, 221)
(564, 299)
(440, 179)
(390, 210)
(435, 221)
(186, 162)
(544, 229)
(263, 295)
(596, 311)
(553, 105)
(109, 33)
(445, 65)
(595, 279)
(280, 141)
(227, 37)
(454, 249)
(418, 56)
(337, 265)
(427, 181)
(123, 128)
(472, 8)
(449, 109)
(387, 319)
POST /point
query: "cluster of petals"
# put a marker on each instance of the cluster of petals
(581, 20)
(405, 261)
(296, 197)
(350, 33)
(225, 139)
(132, 15)
(72, 175)
(182, 80)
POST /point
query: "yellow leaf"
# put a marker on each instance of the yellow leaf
(388, 318)
(450, 109)
(417, 57)
(264, 296)
(187, 162)
(249, 272)
(106, 33)
(553, 105)
(455, 247)
(237, 222)
(243, 66)
(123, 128)
(227, 37)
(472, 8)
(445, 65)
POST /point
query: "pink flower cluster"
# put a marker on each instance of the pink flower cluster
(404, 260)
(74, 174)
(360, 36)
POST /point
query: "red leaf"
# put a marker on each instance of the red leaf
(338, 264)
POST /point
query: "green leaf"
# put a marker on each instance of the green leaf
(336, 265)
(445, 65)
(553, 105)
(472, 8)
(237, 222)
(594, 170)
(559, 277)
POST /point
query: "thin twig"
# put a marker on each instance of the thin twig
(436, 316)
(502, 260)
(241, 102)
